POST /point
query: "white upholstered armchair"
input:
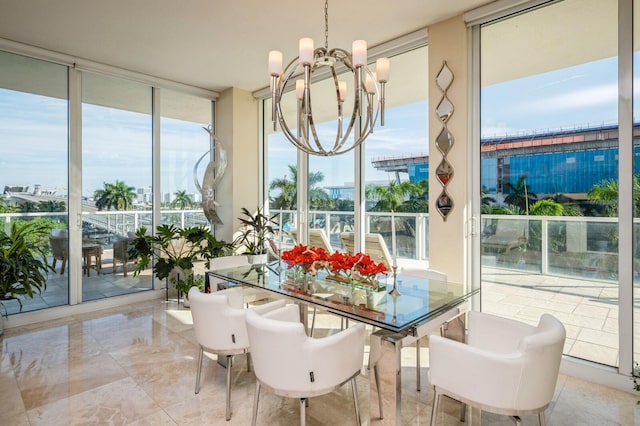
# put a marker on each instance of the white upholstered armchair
(506, 367)
(291, 364)
(220, 328)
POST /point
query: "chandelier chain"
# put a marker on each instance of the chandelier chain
(326, 25)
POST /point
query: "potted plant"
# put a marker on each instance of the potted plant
(176, 250)
(23, 264)
(256, 229)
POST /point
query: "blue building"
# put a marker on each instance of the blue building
(570, 162)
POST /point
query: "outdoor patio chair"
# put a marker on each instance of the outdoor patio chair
(59, 248)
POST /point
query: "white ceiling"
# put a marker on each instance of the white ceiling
(211, 44)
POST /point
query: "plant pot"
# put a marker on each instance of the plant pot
(257, 259)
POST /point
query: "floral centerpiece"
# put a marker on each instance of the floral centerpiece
(302, 259)
(356, 268)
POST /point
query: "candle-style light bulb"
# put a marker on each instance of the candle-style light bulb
(370, 84)
(382, 70)
(359, 53)
(342, 90)
(299, 89)
(275, 63)
(305, 46)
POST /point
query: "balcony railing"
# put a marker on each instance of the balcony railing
(584, 247)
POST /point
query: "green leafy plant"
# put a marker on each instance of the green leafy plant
(256, 228)
(635, 377)
(175, 249)
(23, 265)
(184, 284)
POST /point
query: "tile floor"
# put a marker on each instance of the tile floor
(135, 365)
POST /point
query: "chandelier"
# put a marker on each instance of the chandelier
(368, 91)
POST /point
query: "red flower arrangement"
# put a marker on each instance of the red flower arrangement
(310, 259)
(357, 267)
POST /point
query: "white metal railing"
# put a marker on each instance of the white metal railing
(115, 223)
(552, 245)
(584, 247)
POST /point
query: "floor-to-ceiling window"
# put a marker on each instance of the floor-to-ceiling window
(116, 180)
(635, 137)
(34, 164)
(187, 147)
(549, 171)
(41, 105)
(397, 160)
(281, 169)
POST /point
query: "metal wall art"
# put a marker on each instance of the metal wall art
(444, 141)
(212, 175)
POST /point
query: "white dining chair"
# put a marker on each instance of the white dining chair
(293, 365)
(506, 367)
(220, 328)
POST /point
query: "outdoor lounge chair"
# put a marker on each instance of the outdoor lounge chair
(317, 238)
(509, 234)
(374, 245)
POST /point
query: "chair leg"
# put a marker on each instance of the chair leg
(463, 411)
(517, 419)
(376, 376)
(62, 265)
(418, 365)
(434, 411)
(354, 390)
(541, 419)
(254, 417)
(249, 362)
(228, 417)
(303, 411)
(200, 356)
(313, 322)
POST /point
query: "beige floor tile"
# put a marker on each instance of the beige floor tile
(136, 365)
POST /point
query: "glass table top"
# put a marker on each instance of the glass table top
(419, 301)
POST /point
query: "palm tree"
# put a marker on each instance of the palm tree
(418, 203)
(605, 193)
(27, 207)
(52, 206)
(506, 209)
(288, 186)
(391, 197)
(182, 200)
(117, 195)
(5, 208)
(518, 194)
(486, 200)
(569, 205)
(547, 207)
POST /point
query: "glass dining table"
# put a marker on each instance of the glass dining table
(417, 307)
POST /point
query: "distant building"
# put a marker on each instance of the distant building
(570, 162)
(15, 189)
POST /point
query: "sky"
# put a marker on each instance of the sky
(117, 144)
